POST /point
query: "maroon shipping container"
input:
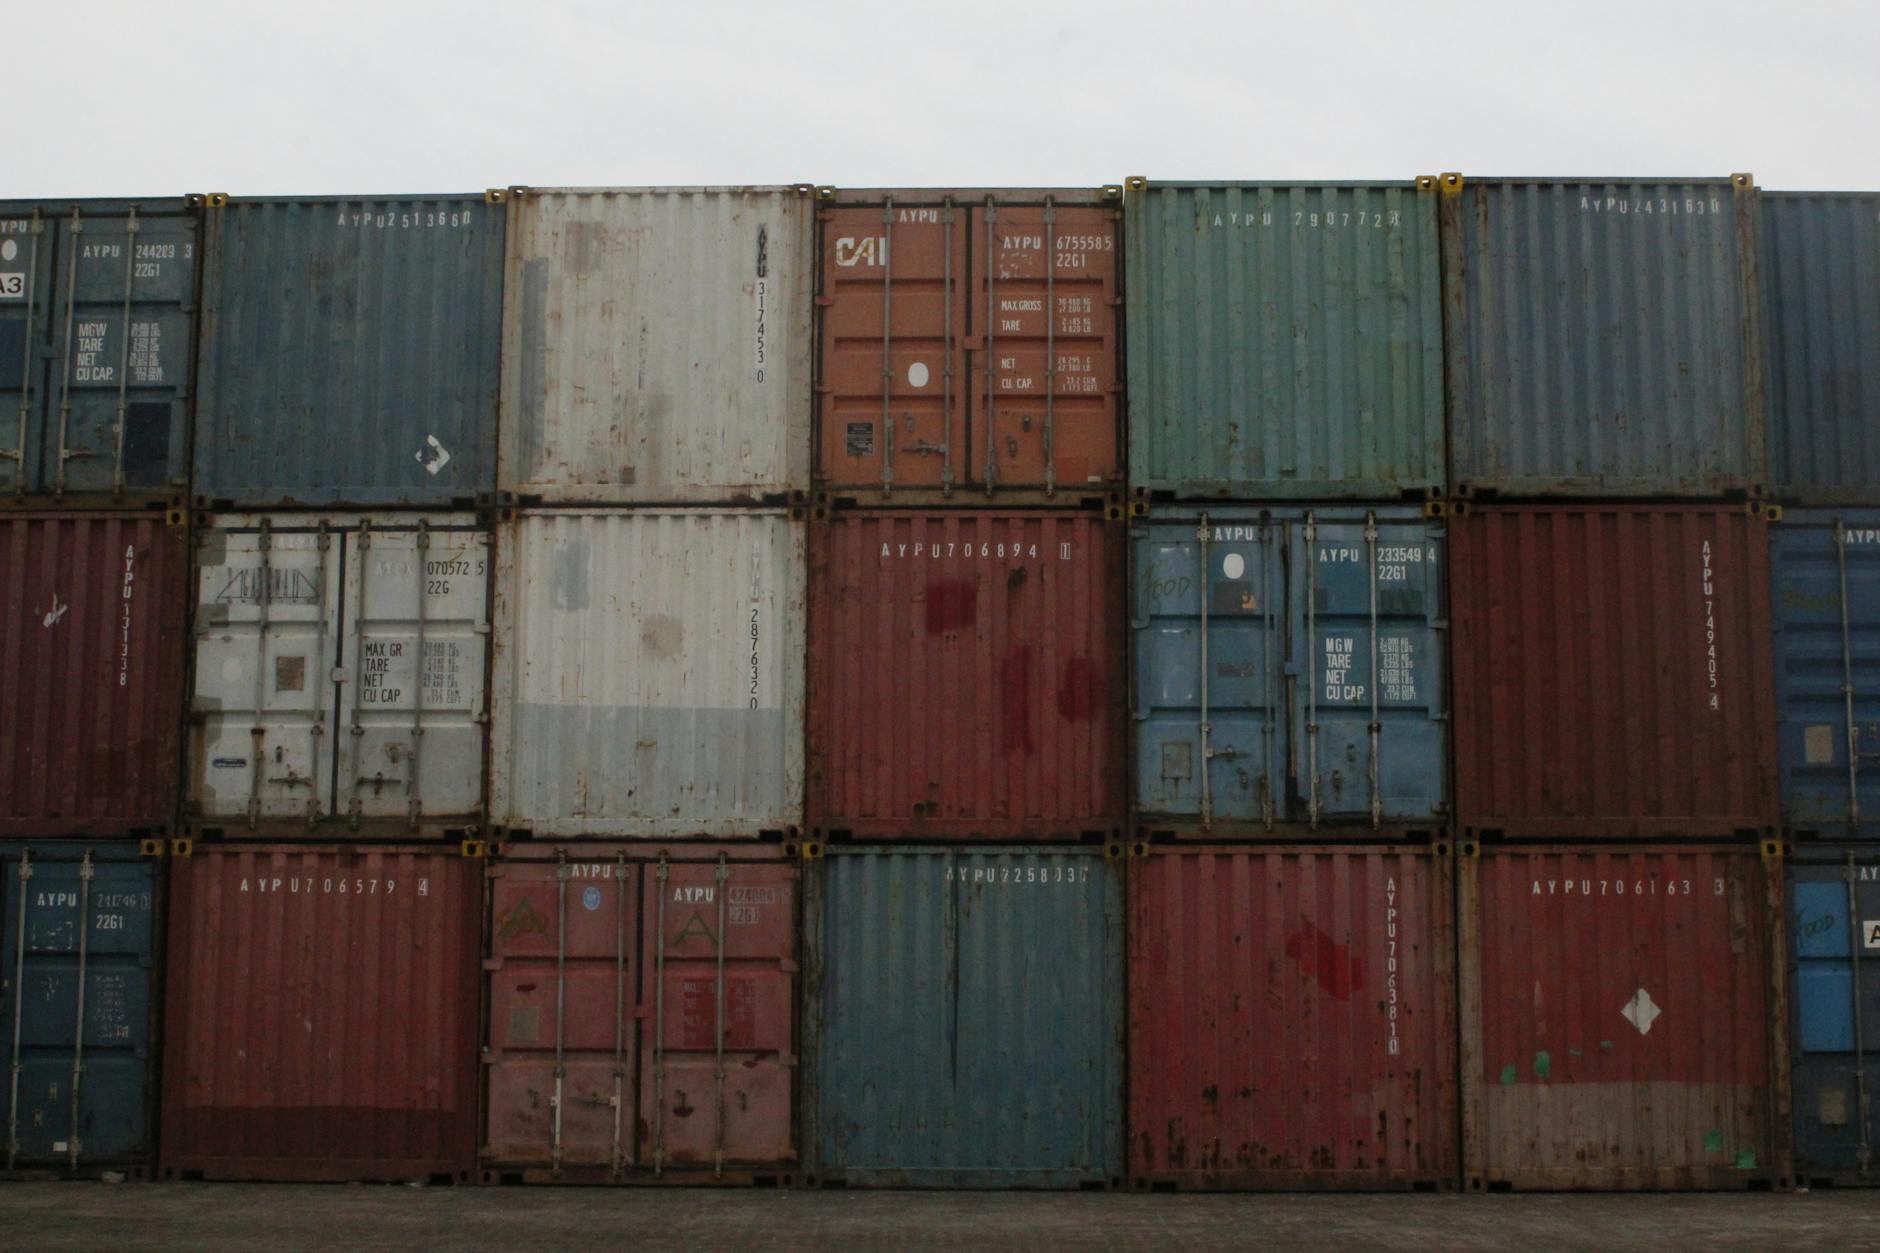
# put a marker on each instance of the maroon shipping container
(1613, 671)
(642, 1020)
(91, 672)
(1623, 1016)
(968, 343)
(966, 676)
(321, 1016)
(1292, 1017)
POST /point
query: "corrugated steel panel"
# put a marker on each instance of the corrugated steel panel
(350, 352)
(656, 345)
(1827, 610)
(964, 1018)
(339, 679)
(642, 1012)
(97, 341)
(1292, 1017)
(1613, 671)
(1821, 287)
(968, 342)
(1834, 936)
(1622, 1017)
(91, 673)
(1268, 644)
(1603, 337)
(649, 674)
(77, 962)
(968, 671)
(321, 1014)
(1285, 340)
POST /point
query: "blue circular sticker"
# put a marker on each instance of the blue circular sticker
(591, 898)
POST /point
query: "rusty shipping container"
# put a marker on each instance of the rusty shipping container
(1614, 671)
(321, 1014)
(91, 672)
(642, 1013)
(1603, 337)
(968, 345)
(1623, 1016)
(966, 675)
(1292, 1017)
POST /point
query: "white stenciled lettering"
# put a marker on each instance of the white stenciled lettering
(1708, 584)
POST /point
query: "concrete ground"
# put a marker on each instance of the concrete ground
(238, 1216)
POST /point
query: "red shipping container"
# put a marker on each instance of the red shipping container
(968, 344)
(642, 1017)
(321, 1015)
(1291, 1019)
(1623, 1016)
(966, 676)
(91, 672)
(1614, 671)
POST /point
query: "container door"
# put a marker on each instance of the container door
(76, 1004)
(1836, 925)
(26, 296)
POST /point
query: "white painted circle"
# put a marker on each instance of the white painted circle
(917, 374)
(9, 250)
(231, 669)
(1233, 565)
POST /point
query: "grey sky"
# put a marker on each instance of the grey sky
(260, 97)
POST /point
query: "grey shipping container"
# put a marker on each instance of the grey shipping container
(339, 674)
(1284, 340)
(1834, 937)
(1603, 336)
(97, 338)
(656, 345)
(963, 1017)
(1821, 289)
(350, 352)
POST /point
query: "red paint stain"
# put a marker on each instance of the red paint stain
(1079, 690)
(1015, 701)
(1337, 971)
(952, 605)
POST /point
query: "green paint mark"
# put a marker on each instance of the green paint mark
(1507, 1075)
(1575, 1053)
(1543, 1065)
(1713, 1142)
(1606, 1044)
(1746, 1159)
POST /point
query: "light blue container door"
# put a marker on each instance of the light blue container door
(1836, 943)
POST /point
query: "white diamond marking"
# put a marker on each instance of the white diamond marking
(1641, 1012)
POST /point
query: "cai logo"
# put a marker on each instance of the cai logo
(591, 898)
(872, 250)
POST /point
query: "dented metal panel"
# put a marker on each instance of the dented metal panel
(1613, 671)
(91, 672)
(649, 674)
(1285, 340)
(656, 345)
(320, 1014)
(1623, 1016)
(1834, 955)
(1291, 1017)
(339, 678)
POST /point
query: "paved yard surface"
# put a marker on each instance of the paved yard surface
(235, 1216)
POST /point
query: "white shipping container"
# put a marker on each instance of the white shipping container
(649, 669)
(339, 672)
(656, 345)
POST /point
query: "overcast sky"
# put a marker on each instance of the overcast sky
(265, 97)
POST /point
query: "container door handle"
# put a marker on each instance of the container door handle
(1377, 801)
(992, 355)
(258, 730)
(1864, 1153)
(1847, 691)
(1207, 745)
(887, 346)
(1312, 667)
(65, 364)
(361, 619)
(316, 727)
(1267, 728)
(1050, 345)
(19, 1005)
(561, 1002)
(17, 455)
(78, 1032)
(718, 1149)
(415, 803)
(946, 355)
(620, 1000)
(131, 227)
(659, 1021)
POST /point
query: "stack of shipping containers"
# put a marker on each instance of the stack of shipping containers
(966, 765)
(1619, 897)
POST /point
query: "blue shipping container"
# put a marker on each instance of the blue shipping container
(1289, 668)
(75, 1003)
(1834, 931)
(1826, 570)
(964, 1018)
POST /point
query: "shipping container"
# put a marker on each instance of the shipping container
(649, 674)
(350, 352)
(968, 676)
(1613, 671)
(642, 1013)
(1834, 929)
(91, 672)
(339, 680)
(963, 1017)
(656, 345)
(1289, 670)
(968, 346)
(1827, 611)
(1623, 1016)
(1821, 313)
(1603, 337)
(320, 1016)
(77, 972)
(97, 341)
(1292, 1017)
(1285, 340)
